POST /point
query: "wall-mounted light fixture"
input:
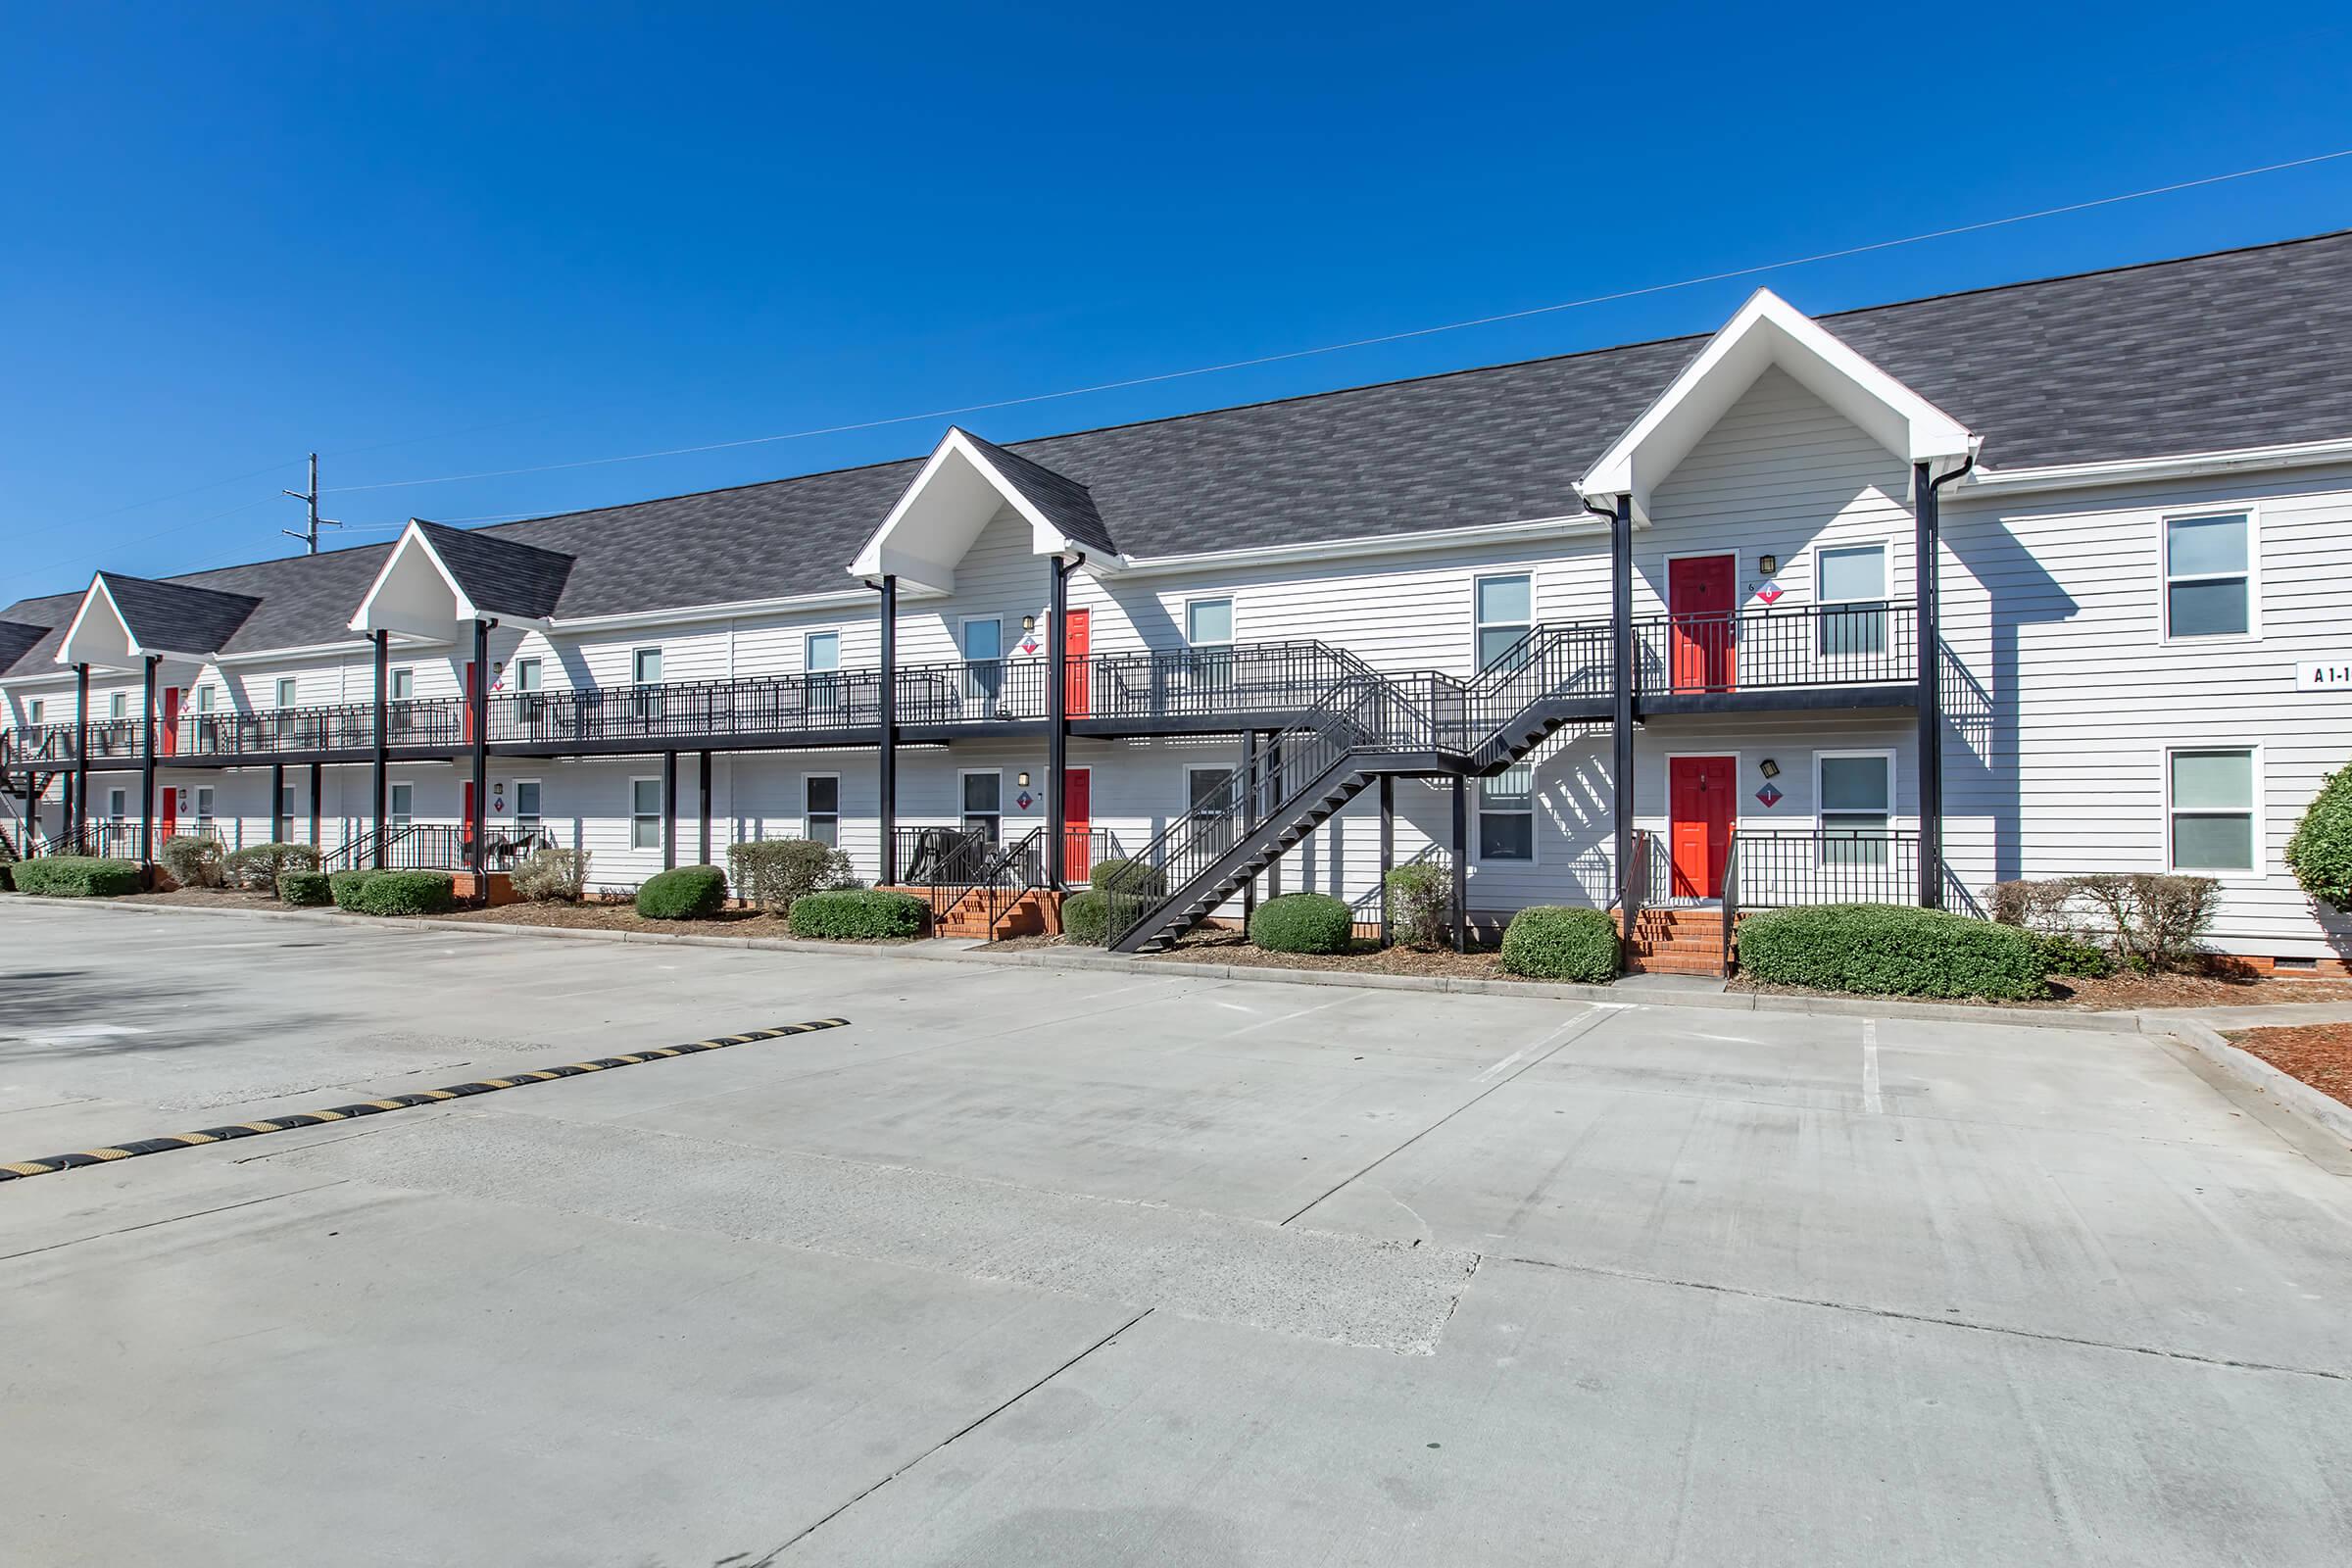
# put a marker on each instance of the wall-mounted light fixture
(1769, 769)
(1028, 624)
(1768, 564)
(1025, 781)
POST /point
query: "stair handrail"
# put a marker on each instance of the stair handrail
(1002, 897)
(1730, 891)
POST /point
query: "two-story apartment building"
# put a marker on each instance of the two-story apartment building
(1890, 605)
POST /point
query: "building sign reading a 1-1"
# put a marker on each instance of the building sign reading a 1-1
(2324, 675)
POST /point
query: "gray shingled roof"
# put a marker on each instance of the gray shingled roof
(16, 639)
(2236, 349)
(1066, 503)
(178, 617)
(504, 577)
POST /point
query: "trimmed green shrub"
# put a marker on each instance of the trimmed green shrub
(859, 915)
(1303, 922)
(344, 888)
(551, 875)
(773, 874)
(1420, 903)
(258, 866)
(2320, 851)
(1086, 917)
(2071, 955)
(1552, 942)
(688, 893)
(1891, 950)
(1130, 876)
(193, 859)
(77, 876)
(303, 888)
(394, 892)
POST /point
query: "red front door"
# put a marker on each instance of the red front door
(1701, 598)
(1078, 811)
(167, 739)
(1076, 638)
(1699, 807)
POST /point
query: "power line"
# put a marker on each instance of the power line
(1370, 342)
(309, 535)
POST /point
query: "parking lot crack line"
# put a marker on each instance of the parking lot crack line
(1573, 1029)
(173, 1220)
(1897, 1314)
(768, 1560)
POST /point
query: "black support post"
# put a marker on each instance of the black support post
(703, 781)
(886, 766)
(1267, 749)
(1057, 723)
(281, 820)
(1249, 814)
(81, 747)
(477, 706)
(1387, 853)
(1462, 864)
(147, 769)
(669, 810)
(1927, 534)
(317, 773)
(1621, 724)
(383, 741)
(70, 816)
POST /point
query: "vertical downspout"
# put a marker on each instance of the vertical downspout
(1927, 555)
(383, 740)
(1621, 724)
(147, 770)
(888, 764)
(81, 747)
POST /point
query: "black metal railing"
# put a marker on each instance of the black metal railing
(1801, 645)
(1779, 868)
(1238, 679)
(110, 839)
(691, 710)
(31, 745)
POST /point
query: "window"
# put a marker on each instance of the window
(526, 806)
(645, 670)
(1212, 799)
(2212, 795)
(403, 690)
(401, 694)
(1850, 585)
(1855, 792)
(645, 814)
(284, 829)
(984, 804)
(530, 680)
(2206, 576)
(1208, 628)
(820, 652)
(529, 675)
(399, 807)
(118, 706)
(1506, 814)
(983, 655)
(820, 809)
(286, 692)
(1505, 610)
(33, 711)
(118, 805)
(204, 699)
(204, 806)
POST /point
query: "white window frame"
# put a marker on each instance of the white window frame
(808, 638)
(963, 812)
(395, 814)
(2260, 870)
(206, 694)
(1888, 753)
(206, 801)
(2164, 591)
(395, 678)
(1233, 618)
(637, 657)
(1478, 628)
(537, 818)
(658, 817)
(117, 705)
(283, 816)
(34, 708)
(1534, 832)
(535, 666)
(118, 805)
(809, 815)
(976, 687)
(1884, 544)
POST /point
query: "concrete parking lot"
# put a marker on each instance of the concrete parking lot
(1029, 1266)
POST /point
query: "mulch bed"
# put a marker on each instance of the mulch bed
(218, 898)
(621, 916)
(2124, 992)
(1367, 957)
(2319, 1054)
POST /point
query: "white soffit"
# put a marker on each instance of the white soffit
(414, 593)
(941, 513)
(99, 636)
(1767, 331)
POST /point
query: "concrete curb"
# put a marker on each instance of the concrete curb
(2255, 1073)
(2109, 1023)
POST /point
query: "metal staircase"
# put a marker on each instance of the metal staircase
(1366, 725)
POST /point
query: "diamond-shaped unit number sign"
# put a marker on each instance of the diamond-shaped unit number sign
(1769, 591)
(1769, 796)
(1022, 800)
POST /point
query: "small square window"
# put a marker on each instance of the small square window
(529, 675)
(2212, 805)
(402, 688)
(2207, 585)
(1506, 814)
(645, 667)
(821, 652)
(1208, 623)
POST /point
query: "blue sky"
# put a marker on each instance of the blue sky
(431, 241)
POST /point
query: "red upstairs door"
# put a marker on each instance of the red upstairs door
(1078, 813)
(1077, 638)
(1699, 808)
(1700, 597)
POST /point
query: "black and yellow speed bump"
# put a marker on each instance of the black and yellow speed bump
(13, 1171)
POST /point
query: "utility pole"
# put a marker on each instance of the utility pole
(310, 536)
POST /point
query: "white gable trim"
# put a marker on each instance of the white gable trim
(1767, 331)
(942, 512)
(391, 605)
(74, 648)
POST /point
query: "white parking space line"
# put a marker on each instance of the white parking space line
(1286, 1017)
(1870, 1102)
